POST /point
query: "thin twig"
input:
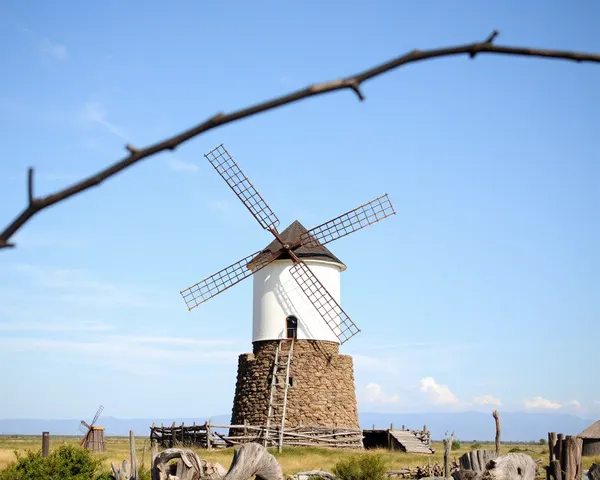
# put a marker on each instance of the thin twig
(352, 83)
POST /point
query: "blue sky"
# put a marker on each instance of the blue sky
(482, 292)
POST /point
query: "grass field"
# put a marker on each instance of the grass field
(292, 459)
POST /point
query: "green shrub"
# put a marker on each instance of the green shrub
(475, 446)
(65, 463)
(455, 445)
(361, 467)
(517, 450)
(542, 441)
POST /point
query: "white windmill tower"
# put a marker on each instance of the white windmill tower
(295, 374)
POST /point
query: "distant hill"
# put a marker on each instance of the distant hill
(467, 426)
(112, 426)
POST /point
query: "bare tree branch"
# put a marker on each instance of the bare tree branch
(351, 83)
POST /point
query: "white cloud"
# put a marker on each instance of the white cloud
(487, 400)
(436, 393)
(55, 50)
(94, 112)
(181, 166)
(574, 404)
(373, 393)
(541, 403)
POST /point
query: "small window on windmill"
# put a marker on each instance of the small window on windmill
(290, 381)
(292, 327)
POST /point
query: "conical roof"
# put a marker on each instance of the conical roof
(593, 431)
(292, 234)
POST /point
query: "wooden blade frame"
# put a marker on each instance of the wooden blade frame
(360, 217)
(331, 311)
(226, 166)
(97, 416)
(226, 278)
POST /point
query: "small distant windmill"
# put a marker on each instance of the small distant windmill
(94, 436)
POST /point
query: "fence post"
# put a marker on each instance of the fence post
(497, 418)
(447, 447)
(45, 444)
(208, 442)
(132, 456)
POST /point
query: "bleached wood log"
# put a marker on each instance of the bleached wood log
(115, 469)
(253, 459)
(310, 474)
(498, 430)
(132, 456)
(512, 466)
(125, 471)
(190, 466)
(572, 467)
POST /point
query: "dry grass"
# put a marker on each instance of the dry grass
(292, 460)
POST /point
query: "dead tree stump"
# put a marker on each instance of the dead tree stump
(476, 460)
(564, 457)
(498, 430)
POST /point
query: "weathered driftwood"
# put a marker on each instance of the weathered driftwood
(564, 462)
(447, 448)
(594, 472)
(476, 460)
(128, 470)
(253, 459)
(188, 467)
(498, 431)
(426, 471)
(311, 474)
(132, 457)
(248, 461)
(573, 468)
(512, 466)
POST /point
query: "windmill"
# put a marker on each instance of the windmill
(94, 435)
(295, 373)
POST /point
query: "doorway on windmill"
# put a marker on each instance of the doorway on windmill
(292, 327)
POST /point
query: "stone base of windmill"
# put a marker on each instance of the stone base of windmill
(321, 393)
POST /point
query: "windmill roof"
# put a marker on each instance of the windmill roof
(292, 234)
(593, 431)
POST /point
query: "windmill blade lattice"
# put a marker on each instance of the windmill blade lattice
(226, 166)
(97, 416)
(335, 317)
(349, 222)
(226, 278)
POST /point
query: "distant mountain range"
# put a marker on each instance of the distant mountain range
(467, 426)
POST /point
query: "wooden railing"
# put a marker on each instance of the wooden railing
(207, 435)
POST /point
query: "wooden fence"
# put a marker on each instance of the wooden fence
(208, 435)
(564, 457)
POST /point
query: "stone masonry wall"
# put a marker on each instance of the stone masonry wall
(322, 394)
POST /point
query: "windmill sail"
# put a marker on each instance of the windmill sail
(226, 166)
(226, 278)
(360, 217)
(335, 317)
